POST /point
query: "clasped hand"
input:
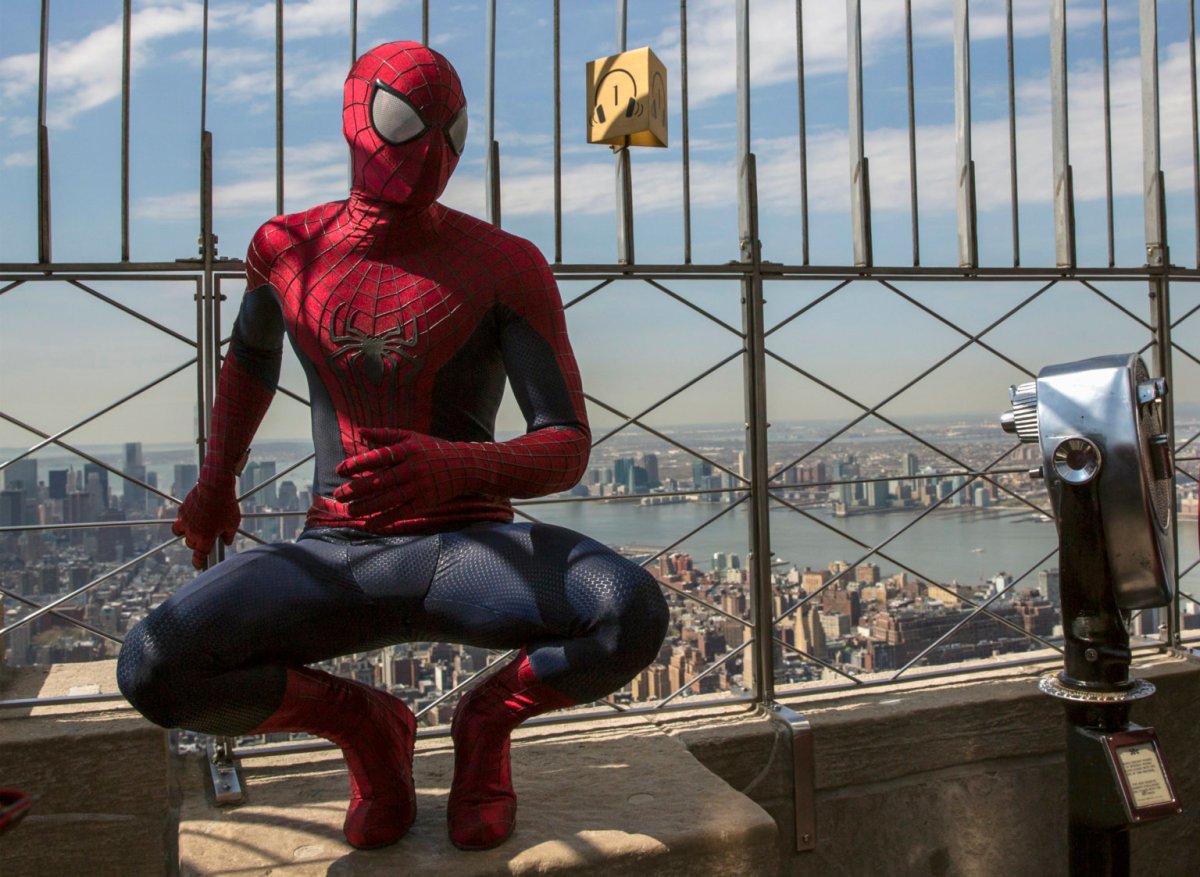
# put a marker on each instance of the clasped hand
(404, 471)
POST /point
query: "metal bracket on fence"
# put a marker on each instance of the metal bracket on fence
(804, 768)
(227, 787)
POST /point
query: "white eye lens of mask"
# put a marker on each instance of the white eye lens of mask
(395, 119)
(456, 131)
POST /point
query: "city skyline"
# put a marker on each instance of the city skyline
(664, 343)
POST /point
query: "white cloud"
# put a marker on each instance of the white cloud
(314, 173)
(712, 36)
(309, 18)
(87, 72)
(27, 158)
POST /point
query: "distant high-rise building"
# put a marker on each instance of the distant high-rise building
(133, 455)
(700, 473)
(650, 464)
(22, 475)
(134, 495)
(97, 475)
(809, 632)
(1048, 585)
(876, 494)
(289, 496)
(639, 480)
(12, 508)
(623, 470)
(867, 573)
(58, 483)
(257, 473)
(185, 479)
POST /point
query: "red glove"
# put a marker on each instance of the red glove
(404, 471)
(408, 471)
(210, 510)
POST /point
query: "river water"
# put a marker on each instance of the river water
(964, 544)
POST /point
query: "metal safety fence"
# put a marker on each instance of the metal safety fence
(765, 347)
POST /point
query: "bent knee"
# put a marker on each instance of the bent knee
(149, 675)
(639, 619)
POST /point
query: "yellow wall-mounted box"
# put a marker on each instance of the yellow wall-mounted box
(627, 100)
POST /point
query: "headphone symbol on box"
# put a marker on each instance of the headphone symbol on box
(623, 85)
(621, 88)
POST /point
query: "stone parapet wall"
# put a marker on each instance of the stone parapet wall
(965, 778)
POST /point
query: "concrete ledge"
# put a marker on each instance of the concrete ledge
(968, 777)
(101, 771)
(593, 800)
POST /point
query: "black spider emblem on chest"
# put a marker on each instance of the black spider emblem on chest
(373, 351)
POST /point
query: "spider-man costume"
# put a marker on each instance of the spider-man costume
(406, 316)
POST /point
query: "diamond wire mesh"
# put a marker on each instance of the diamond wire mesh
(115, 528)
(840, 574)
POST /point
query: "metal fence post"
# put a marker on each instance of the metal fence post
(1157, 253)
(754, 369)
(968, 247)
(1064, 196)
(860, 180)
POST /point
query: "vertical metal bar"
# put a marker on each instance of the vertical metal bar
(558, 230)
(687, 160)
(1064, 201)
(1154, 206)
(206, 330)
(912, 134)
(201, 371)
(126, 17)
(279, 107)
(624, 169)
(492, 171)
(493, 181)
(743, 124)
(425, 22)
(860, 192)
(43, 153)
(1157, 255)
(803, 135)
(1108, 165)
(968, 252)
(754, 370)
(625, 248)
(353, 58)
(1160, 304)
(1012, 141)
(1195, 126)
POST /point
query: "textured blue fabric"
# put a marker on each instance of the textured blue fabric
(214, 656)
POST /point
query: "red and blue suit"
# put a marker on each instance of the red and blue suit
(407, 317)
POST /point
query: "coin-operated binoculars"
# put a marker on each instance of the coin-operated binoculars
(1106, 461)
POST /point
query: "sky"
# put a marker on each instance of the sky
(634, 343)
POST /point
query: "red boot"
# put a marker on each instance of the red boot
(483, 808)
(375, 732)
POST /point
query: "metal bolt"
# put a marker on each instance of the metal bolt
(224, 787)
(807, 838)
(1091, 654)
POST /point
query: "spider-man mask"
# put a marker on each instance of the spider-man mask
(405, 119)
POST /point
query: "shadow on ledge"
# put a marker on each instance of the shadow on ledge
(600, 800)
